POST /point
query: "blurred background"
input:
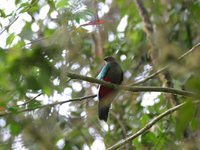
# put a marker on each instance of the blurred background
(42, 40)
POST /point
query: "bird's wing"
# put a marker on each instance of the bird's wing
(103, 72)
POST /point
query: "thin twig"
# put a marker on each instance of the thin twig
(31, 99)
(188, 52)
(37, 40)
(131, 88)
(48, 105)
(151, 76)
(145, 128)
(145, 17)
(8, 26)
(167, 66)
(13, 21)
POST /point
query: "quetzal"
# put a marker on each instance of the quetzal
(113, 73)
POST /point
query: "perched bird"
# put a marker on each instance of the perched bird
(113, 73)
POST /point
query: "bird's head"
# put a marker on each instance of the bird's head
(109, 59)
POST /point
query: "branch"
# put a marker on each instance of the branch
(145, 17)
(32, 99)
(145, 128)
(188, 52)
(8, 26)
(15, 19)
(49, 105)
(151, 76)
(39, 94)
(131, 88)
(167, 66)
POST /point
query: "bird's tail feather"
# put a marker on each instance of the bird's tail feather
(103, 112)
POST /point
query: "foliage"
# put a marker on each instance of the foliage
(40, 41)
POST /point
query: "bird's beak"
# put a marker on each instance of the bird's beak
(106, 59)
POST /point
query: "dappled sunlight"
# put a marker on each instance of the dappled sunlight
(51, 53)
(150, 98)
(98, 144)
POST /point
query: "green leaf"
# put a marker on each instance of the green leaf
(160, 143)
(194, 124)
(62, 4)
(12, 109)
(16, 2)
(34, 104)
(149, 138)
(10, 39)
(27, 7)
(2, 13)
(32, 83)
(194, 84)
(27, 32)
(144, 119)
(33, 9)
(47, 90)
(24, 7)
(14, 128)
(185, 115)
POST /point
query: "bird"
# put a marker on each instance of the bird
(111, 72)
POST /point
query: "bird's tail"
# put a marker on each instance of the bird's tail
(106, 96)
(103, 111)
